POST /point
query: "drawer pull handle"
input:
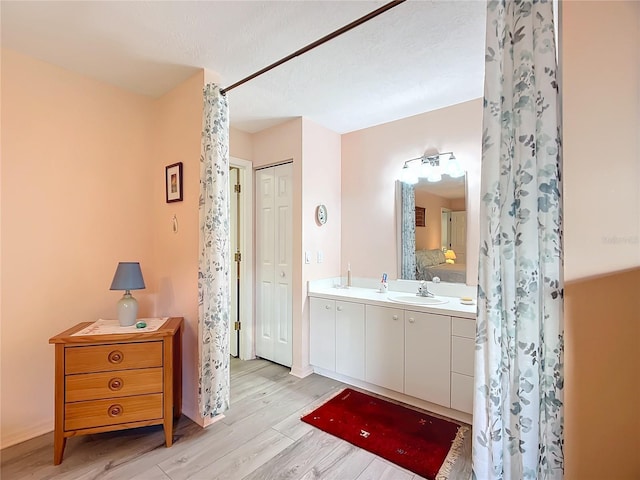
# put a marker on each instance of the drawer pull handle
(395, 317)
(116, 356)
(327, 307)
(339, 309)
(115, 410)
(116, 384)
(412, 320)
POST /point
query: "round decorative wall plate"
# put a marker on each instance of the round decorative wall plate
(321, 214)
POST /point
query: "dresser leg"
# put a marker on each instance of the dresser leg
(168, 431)
(59, 442)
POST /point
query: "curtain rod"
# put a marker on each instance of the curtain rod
(317, 43)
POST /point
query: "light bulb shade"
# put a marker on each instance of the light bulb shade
(434, 175)
(454, 169)
(408, 175)
(450, 255)
(425, 169)
(128, 276)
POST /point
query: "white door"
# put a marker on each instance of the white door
(234, 226)
(384, 347)
(322, 333)
(427, 364)
(274, 295)
(350, 337)
(459, 235)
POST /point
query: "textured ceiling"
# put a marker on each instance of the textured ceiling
(417, 57)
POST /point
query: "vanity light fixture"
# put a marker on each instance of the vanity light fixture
(431, 168)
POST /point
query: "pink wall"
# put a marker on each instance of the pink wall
(315, 152)
(321, 185)
(75, 201)
(600, 59)
(240, 144)
(177, 127)
(275, 145)
(371, 162)
(458, 204)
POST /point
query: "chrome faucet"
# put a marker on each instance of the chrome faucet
(423, 290)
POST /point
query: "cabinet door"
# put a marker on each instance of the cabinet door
(384, 347)
(427, 357)
(350, 339)
(322, 333)
(462, 392)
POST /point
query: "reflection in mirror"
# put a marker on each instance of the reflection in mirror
(437, 249)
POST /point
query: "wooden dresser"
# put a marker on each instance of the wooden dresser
(116, 381)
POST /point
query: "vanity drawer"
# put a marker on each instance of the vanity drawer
(462, 393)
(462, 355)
(117, 356)
(99, 413)
(463, 327)
(123, 383)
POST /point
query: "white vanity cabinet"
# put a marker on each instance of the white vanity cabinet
(463, 332)
(336, 332)
(423, 358)
(427, 366)
(384, 347)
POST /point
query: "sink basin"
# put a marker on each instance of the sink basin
(416, 300)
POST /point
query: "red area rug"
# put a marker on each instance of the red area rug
(416, 441)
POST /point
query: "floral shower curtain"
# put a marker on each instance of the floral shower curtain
(408, 232)
(214, 261)
(518, 398)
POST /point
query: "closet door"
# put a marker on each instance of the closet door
(459, 235)
(273, 260)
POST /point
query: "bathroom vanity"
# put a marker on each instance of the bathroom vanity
(405, 347)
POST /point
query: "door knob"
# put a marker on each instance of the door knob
(395, 317)
(339, 309)
(282, 274)
(412, 320)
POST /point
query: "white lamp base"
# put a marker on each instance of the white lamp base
(127, 310)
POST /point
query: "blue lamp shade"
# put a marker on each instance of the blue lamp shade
(128, 277)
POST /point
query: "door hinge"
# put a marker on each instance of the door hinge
(237, 188)
(237, 257)
(236, 325)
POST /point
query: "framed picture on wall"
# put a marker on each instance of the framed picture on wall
(173, 182)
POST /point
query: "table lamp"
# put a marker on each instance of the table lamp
(450, 256)
(128, 277)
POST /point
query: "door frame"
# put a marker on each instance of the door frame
(245, 243)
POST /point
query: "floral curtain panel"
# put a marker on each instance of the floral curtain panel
(213, 267)
(518, 399)
(408, 232)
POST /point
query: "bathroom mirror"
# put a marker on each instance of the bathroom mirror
(441, 244)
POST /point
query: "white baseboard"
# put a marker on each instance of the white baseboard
(301, 372)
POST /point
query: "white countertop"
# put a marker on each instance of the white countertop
(372, 296)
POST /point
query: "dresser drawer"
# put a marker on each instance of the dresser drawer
(115, 356)
(98, 413)
(123, 383)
